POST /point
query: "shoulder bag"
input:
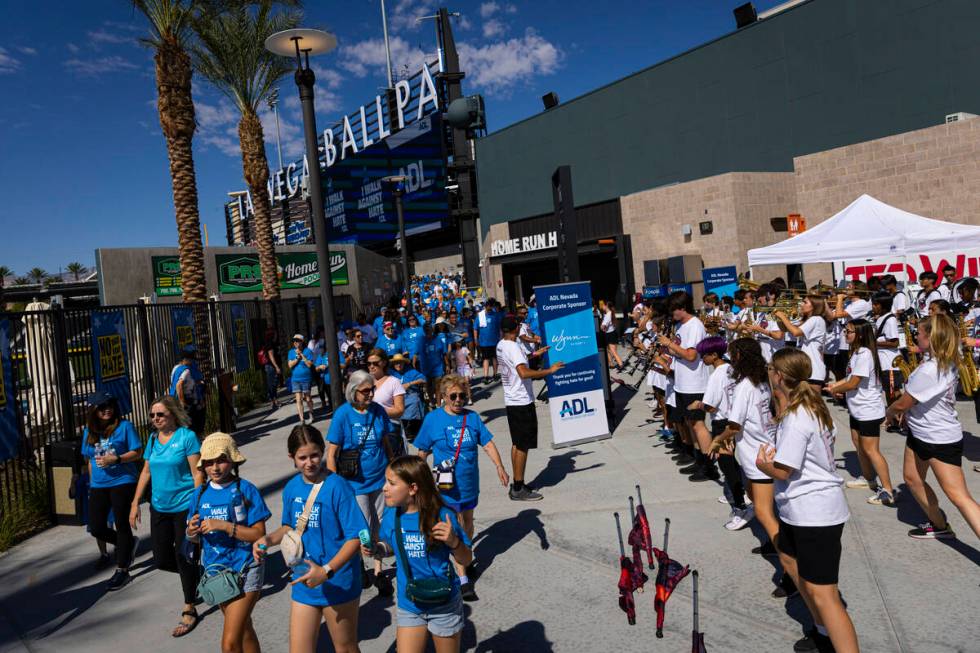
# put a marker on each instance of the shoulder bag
(430, 591)
(349, 460)
(292, 542)
(444, 473)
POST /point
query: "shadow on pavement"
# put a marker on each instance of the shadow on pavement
(502, 535)
(492, 414)
(558, 467)
(525, 636)
(374, 617)
(909, 512)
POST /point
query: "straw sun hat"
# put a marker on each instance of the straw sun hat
(220, 444)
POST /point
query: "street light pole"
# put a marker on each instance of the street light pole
(398, 190)
(274, 103)
(304, 42)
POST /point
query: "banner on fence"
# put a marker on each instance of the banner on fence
(183, 317)
(166, 275)
(109, 357)
(8, 397)
(242, 273)
(575, 398)
(239, 338)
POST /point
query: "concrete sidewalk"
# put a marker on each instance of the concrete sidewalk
(550, 567)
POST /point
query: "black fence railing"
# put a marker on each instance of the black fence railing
(57, 356)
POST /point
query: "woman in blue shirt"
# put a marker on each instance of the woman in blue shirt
(226, 515)
(360, 425)
(454, 436)
(111, 446)
(301, 360)
(433, 361)
(428, 534)
(414, 384)
(330, 588)
(172, 453)
(412, 338)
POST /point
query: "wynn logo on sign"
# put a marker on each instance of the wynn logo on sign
(575, 408)
(559, 341)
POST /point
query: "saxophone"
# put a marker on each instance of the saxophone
(906, 367)
(969, 380)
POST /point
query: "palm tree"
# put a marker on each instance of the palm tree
(76, 269)
(230, 54)
(169, 35)
(37, 275)
(4, 273)
(22, 281)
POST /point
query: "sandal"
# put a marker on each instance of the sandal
(187, 627)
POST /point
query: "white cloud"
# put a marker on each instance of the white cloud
(368, 56)
(493, 28)
(102, 35)
(406, 13)
(99, 65)
(8, 64)
(495, 68)
(488, 9)
(218, 125)
(26, 50)
(72, 48)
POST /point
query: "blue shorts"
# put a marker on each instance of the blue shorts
(442, 620)
(253, 578)
(301, 386)
(460, 507)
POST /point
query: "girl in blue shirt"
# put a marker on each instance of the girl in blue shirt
(429, 534)
(440, 435)
(111, 446)
(172, 453)
(226, 516)
(330, 589)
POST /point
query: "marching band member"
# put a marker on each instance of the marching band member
(812, 335)
(888, 341)
(946, 287)
(927, 293)
(857, 307)
(765, 328)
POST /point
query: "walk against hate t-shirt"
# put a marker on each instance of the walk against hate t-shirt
(718, 393)
(812, 343)
(750, 410)
(238, 502)
(517, 391)
(865, 402)
(390, 346)
(122, 440)
(413, 394)
(432, 360)
(690, 377)
(426, 560)
(334, 520)
(302, 372)
(933, 419)
(412, 339)
(813, 494)
(349, 429)
(173, 483)
(490, 334)
(440, 435)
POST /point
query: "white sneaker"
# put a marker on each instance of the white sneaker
(723, 498)
(857, 484)
(740, 518)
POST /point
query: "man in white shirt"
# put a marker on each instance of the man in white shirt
(690, 380)
(945, 289)
(927, 293)
(522, 419)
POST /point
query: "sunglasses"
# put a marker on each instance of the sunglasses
(103, 407)
(367, 392)
(453, 396)
(374, 363)
(155, 415)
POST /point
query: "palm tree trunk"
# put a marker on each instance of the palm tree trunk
(255, 167)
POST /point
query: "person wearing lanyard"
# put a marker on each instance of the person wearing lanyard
(111, 446)
(454, 437)
(928, 408)
(808, 493)
(172, 453)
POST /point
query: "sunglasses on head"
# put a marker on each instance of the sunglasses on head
(454, 396)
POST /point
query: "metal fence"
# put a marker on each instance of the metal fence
(56, 355)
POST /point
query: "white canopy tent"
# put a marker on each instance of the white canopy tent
(868, 228)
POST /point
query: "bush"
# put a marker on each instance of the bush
(28, 512)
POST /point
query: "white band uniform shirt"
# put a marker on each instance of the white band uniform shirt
(859, 308)
(517, 391)
(933, 419)
(865, 402)
(690, 377)
(812, 344)
(750, 410)
(718, 394)
(886, 328)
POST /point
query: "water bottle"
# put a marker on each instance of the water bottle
(300, 569)
(365, 536)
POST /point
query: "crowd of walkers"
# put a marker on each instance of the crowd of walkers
(764, 366)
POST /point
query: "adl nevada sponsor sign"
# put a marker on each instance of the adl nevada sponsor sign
(575, 396)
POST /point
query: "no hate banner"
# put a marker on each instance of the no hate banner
(578, 412)
(110, 357)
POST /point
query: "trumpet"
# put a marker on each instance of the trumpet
(748, 284)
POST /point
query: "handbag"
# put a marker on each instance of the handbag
(444, 474)
(292, 542)
(349, 460)
(432, 590)
(220, 584)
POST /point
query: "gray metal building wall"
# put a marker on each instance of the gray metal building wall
(821, 75)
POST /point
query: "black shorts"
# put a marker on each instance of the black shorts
(674, 413)
(951, 454)
(488, 353)
(867, 429)
(840, 363)
(683, 401)
(609, 338)
(828, 362)
(760, 481)
(816, 550)
(892, 381)
(523, 424)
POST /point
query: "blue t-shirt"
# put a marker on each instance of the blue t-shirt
(460, 304)
(412, 338)
(302, 372)
(390, 346)
(426, 561)
(378, 324)
(228, 503)
(431, 358)
(413, 395)
(532, 320)
(467, 327)
(334, 520)
(123, 439)
(440, 435)
(490, 334)
(324, 360)
(170, 473)
(349, 428)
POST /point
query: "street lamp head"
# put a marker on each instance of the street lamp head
(291, 42)
(396, 182)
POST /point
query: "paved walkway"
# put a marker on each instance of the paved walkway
(551, 567)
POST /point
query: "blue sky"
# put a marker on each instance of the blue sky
(83, 163)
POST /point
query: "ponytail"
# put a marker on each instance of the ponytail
(795, 368)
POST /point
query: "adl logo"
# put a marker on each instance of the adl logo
(571, 409)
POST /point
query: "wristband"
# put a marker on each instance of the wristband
(234, 530)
